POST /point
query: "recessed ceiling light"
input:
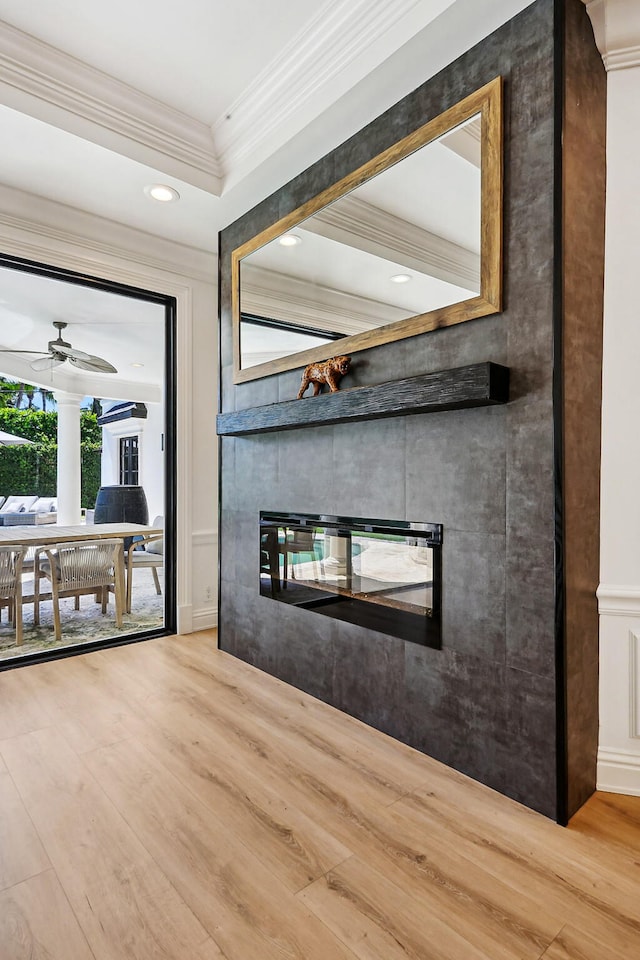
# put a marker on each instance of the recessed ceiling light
(136, 364)
(400, 278)
(289, 240)
(161, 192)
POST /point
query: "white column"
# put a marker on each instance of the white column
(69, 462)
(617, 30)
(334, 564)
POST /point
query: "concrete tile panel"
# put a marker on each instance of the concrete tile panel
(531, 727)
(530, 604)
(368, 676)
(368, 469)
(473, 596)
(306, 481)
(456, 469)
(305, 651)
(456, 712)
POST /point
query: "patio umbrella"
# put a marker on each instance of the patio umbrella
(10, 440)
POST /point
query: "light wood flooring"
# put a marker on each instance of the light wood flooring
(164, 800)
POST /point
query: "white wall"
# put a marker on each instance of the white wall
(151, 464)
(617, 28)
(46, 232)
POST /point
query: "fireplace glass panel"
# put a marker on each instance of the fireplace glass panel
(383, 575)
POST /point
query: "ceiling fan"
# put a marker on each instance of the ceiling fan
(58, 351)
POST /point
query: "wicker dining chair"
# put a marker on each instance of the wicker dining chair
(11, 585)
(145, 551)
(87, 567)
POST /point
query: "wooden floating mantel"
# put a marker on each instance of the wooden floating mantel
(476, 385)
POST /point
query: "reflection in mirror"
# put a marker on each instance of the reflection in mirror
(374, 256)
(409, 242)
(266, 338)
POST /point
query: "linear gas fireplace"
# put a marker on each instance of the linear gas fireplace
(384, 575)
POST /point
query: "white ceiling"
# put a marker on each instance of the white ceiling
(223, 101)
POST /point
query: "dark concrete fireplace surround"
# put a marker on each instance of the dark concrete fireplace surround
(511, 698)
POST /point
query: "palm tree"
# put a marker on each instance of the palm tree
(46, 395)
(8, 392)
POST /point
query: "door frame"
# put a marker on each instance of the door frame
(176, 536)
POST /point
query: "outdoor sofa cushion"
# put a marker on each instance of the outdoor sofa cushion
(17, 504)
(44, 505)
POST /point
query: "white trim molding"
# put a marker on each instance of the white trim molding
(268, 294)
(32, 223)
(204, 616)
(616, 25)
(616, 600)
(622, 59)
(634, 685)
(618, 766)
(339, 46)
(52, 86)
(619, 772)
(205, 538)
(364, 227)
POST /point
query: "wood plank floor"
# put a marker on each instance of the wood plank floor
(164, 800)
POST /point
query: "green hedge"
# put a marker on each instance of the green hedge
(42, 427)
(32, 469)
(91, 454)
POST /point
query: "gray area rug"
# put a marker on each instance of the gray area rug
(86, 624)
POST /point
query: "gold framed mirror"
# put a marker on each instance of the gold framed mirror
(409, 242)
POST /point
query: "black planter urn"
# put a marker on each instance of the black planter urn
(121, 504)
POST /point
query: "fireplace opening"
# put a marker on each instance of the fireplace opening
(383, 575)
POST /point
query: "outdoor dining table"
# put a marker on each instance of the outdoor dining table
(48, 534)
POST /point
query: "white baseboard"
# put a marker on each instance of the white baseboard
(206, 618)
(184, 617)
(618, 772)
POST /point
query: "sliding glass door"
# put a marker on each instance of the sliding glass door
(87, 466)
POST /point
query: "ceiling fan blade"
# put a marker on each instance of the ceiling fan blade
(46, 363)
(41, 353)
(95, 364)
(69, 351)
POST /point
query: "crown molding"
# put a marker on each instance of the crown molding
(366, 227)
(466, 141)
(622, 59)
(310, 305)
(29, 234)
(52, 86)
(315, 64)
(616, 26)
